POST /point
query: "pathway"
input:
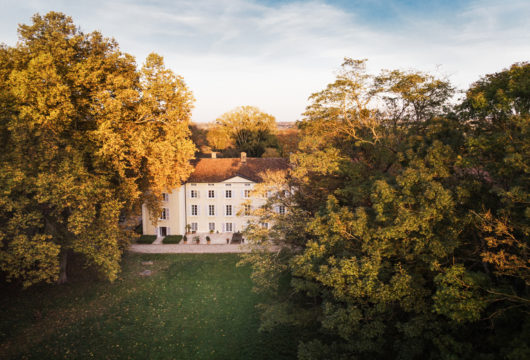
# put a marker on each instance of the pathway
(188, 249)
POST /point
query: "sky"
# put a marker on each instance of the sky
(274, 54)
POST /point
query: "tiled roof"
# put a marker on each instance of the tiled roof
(210, 170)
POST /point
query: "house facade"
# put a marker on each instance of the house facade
(218, 197)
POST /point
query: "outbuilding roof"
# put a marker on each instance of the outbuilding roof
(211, 170)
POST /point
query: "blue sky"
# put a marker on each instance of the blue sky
(273, 53)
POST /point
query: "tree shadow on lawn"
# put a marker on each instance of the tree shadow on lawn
(193, 307)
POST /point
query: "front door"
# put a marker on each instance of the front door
(163, 231)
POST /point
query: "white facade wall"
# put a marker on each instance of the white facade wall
(180, 203)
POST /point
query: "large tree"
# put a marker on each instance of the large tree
(84, 135)
(245, 128)
(409, 229)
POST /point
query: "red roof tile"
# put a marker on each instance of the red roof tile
(210, 170)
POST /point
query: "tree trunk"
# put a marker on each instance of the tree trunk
(62, 272)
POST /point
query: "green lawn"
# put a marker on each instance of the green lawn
(192, 307)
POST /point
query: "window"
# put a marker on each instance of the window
(228, 184)
(246, 194)
(211, 184)
(228, 211)
(211, 210)
(247, 210)
(211, 194)
(265, 225)
(229, 227)
(194, 226)
(228, 194)
(194, 210)
(211, 226)
(281, 209)
(194, 194)
(165, 197)
(268, 194)
(165, 214)
(247, 184)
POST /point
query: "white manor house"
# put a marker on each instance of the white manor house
(215, 198)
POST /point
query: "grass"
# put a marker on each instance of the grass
(194, 306)
(172, 239)
(146, 239)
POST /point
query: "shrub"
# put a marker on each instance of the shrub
(197, 239)
(172, 239)
(208, 238)
(146, 239)
(185, 238)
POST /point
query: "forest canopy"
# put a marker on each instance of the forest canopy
(408, 226)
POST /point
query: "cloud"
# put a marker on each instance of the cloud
(239, 52)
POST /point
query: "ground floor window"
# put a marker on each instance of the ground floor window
(229, 227)
(163, 231)
(211, 226)
(194, 226)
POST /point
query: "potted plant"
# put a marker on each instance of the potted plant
(208, 240)
(211, 231)
(185, 240)
(197, 240)
(188, 228)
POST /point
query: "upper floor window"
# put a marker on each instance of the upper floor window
(165, 197)
(211, 194)
(228, 194)
(194, 210)
(281, 209)
(247, 210)
(194, 193)
(246, 194)
(211, 184)
(228, 211)
(165, 214)
(211, 210)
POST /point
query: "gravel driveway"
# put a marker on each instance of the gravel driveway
(188, 249)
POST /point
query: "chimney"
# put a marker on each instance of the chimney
(214, 155)
(243, 157)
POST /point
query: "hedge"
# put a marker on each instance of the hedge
(172, 239)
(146, 239)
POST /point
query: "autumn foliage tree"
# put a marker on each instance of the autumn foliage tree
(245, 128)
(409, 236)
(84, 135)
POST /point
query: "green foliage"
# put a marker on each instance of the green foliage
(407, 235)
(172, 239)
(146, 239)
(84, 135)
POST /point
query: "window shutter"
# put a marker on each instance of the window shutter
(198, 194)
(167, 213)
(168, 232)
(198, 210)
(223, 227)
